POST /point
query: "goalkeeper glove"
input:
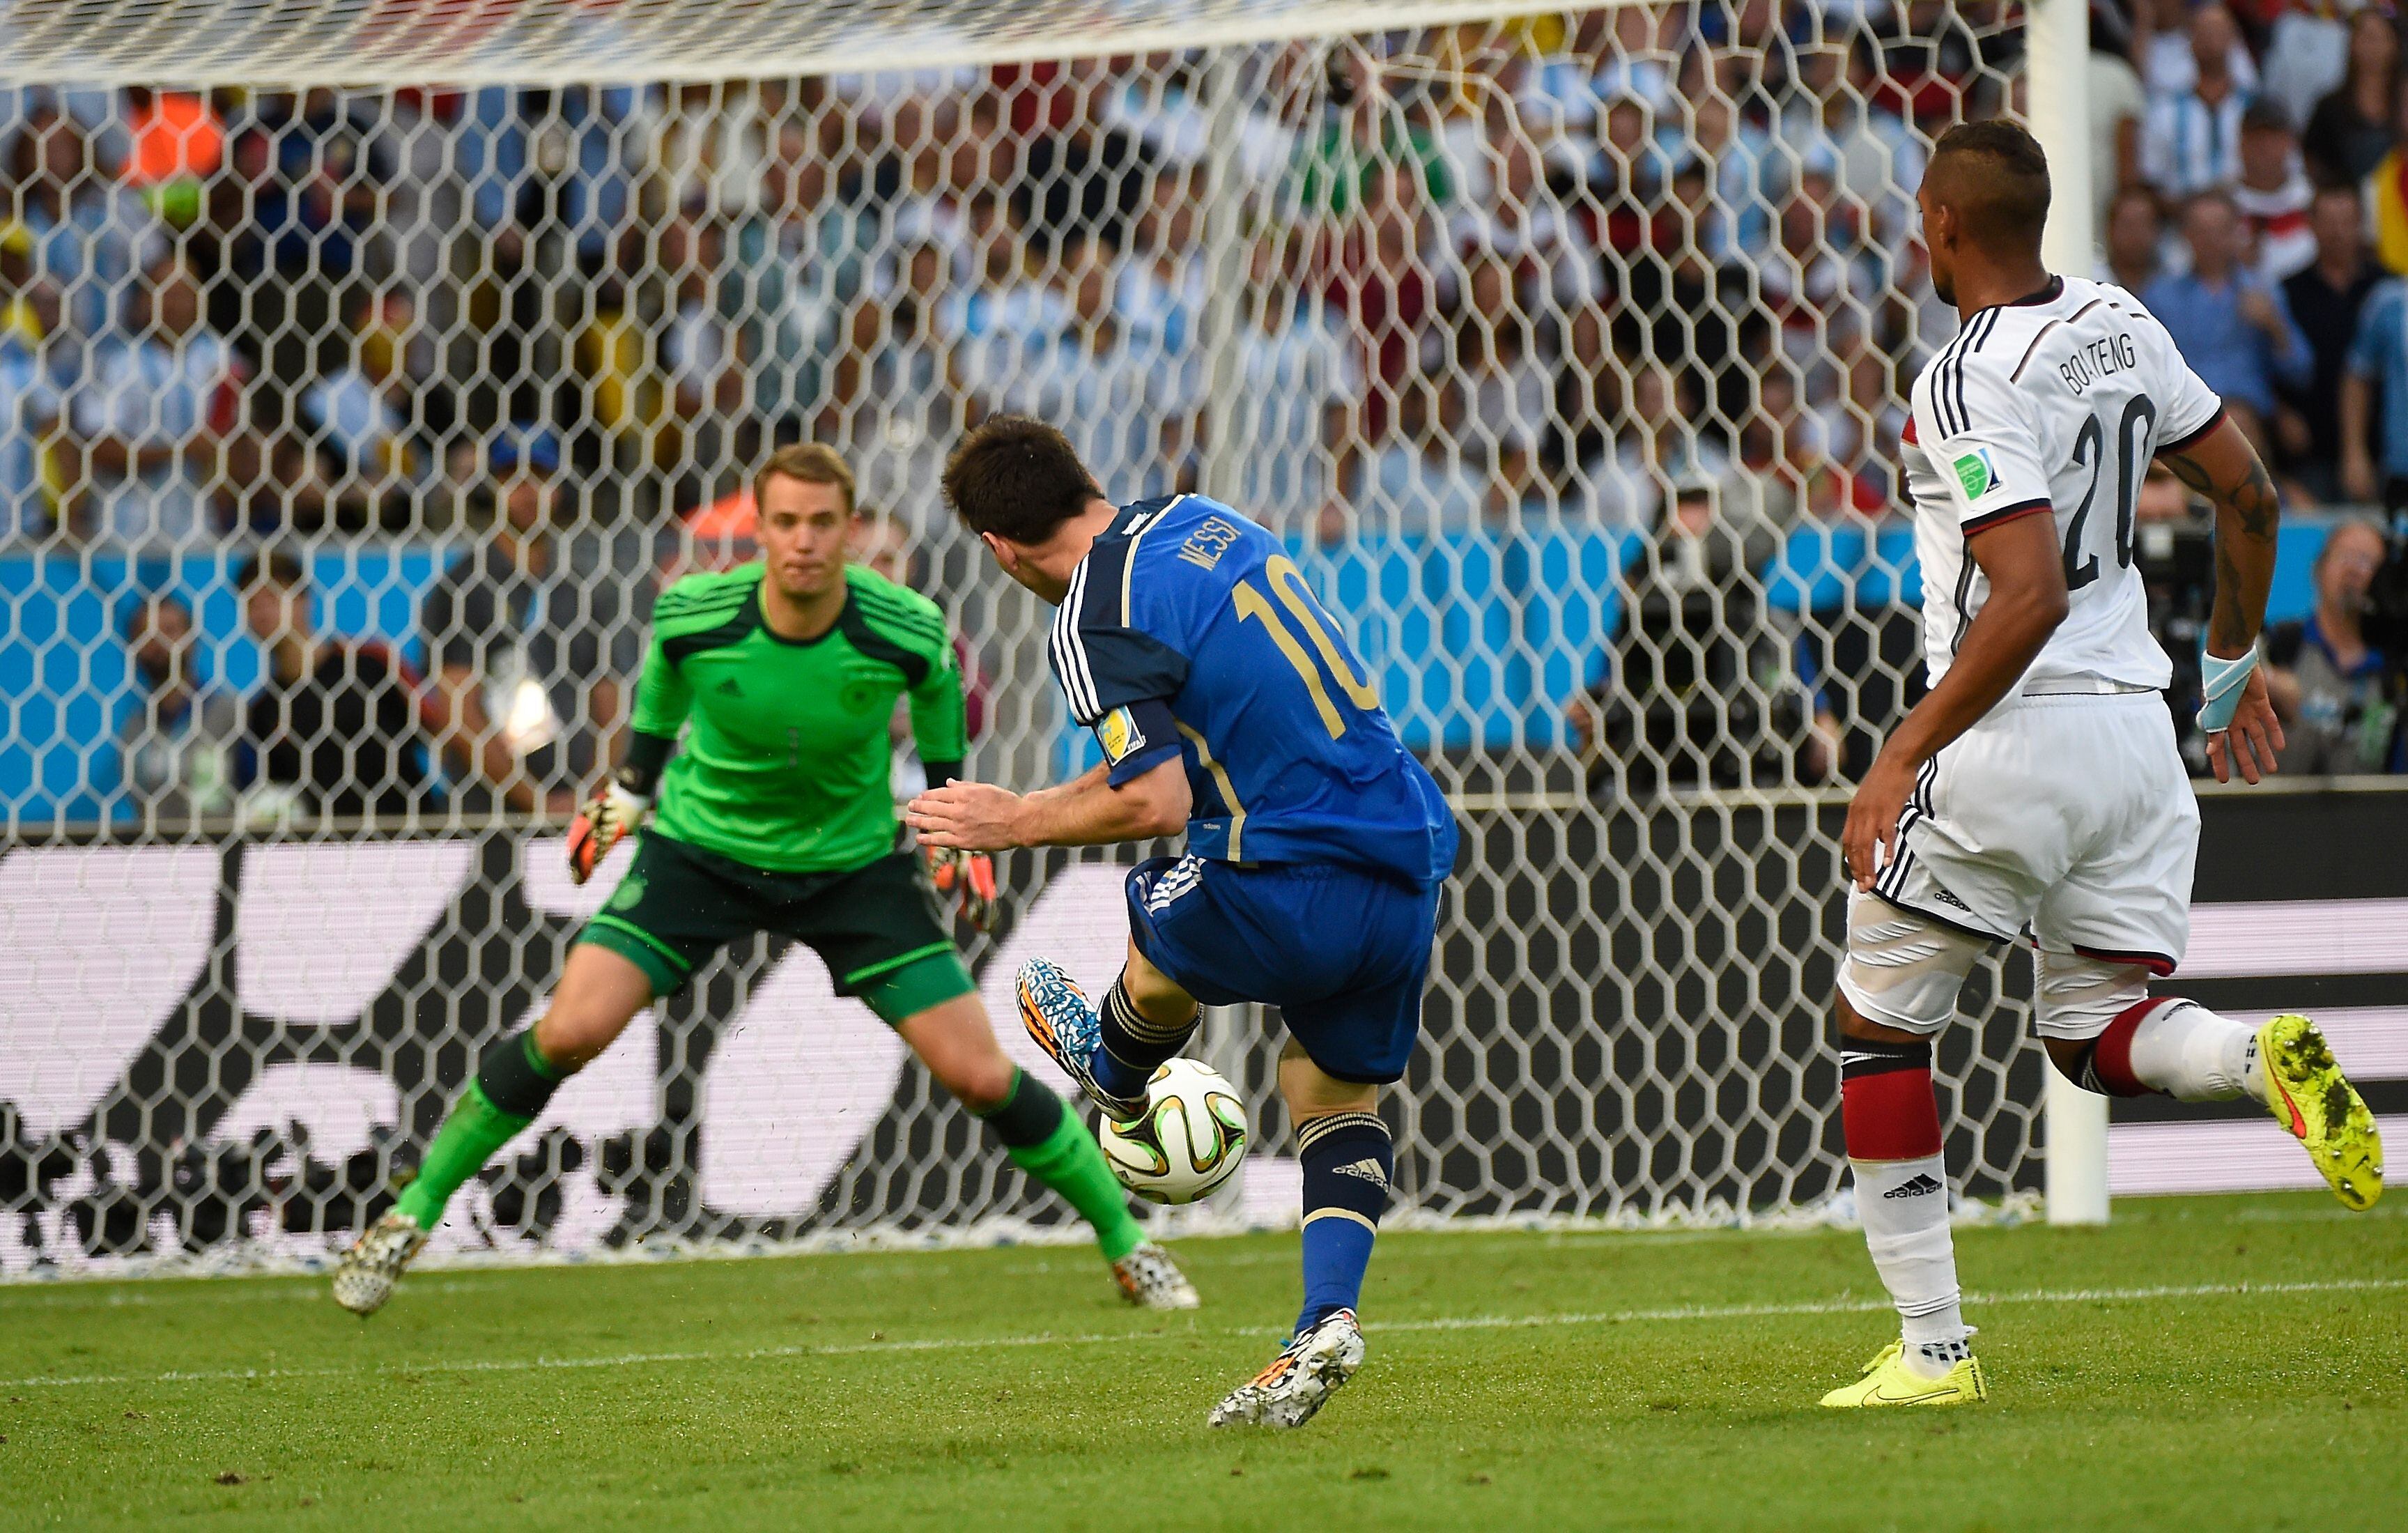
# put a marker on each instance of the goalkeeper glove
(973, 874)
(600, 825)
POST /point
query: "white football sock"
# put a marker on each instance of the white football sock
(2186, 1051)
(1904, 1205)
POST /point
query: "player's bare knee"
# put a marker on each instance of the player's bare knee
(957, 1044)
(2077, 999)
(1310, 1092)
(980, 1083)
(1903, 971)
(1154, 994)
(599, 993)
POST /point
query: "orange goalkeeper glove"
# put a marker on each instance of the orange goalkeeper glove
(598, 826)
(972, 873)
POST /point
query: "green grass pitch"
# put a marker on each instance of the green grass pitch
(2201, 1363)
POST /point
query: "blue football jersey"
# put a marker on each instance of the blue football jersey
(1188, 631)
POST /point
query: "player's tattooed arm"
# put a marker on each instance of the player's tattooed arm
(2224, 467)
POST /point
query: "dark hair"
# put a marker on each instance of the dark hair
(1996, 176)
(2266, 115)
(1018, 478)
(273, 566)
(134, 620)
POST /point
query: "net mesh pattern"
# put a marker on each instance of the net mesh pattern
(347, 432)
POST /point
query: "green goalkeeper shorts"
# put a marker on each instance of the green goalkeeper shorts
(876, 927)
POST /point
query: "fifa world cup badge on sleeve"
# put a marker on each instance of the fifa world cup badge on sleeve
(1977, 473)
(1118, 734)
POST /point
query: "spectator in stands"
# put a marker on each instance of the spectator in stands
(531, 652)
(334, 728)
(1086, 180)
(362, 410)
(2351, 129)
(2386, 194)
(895, 386)
(1392, 278)
(152, 417)
(881, 542)
(1702, 690)
(2305, 53)
(2325, 299)
(29, 414)
(1509, 386)
(2232, 328)
(2119, 108)
(177, 739)
(1658, 445)
(2273, 194)
(1420, 482)
(1301, 382)
(2135, 237)
(91, 235)
(1128, 412)
(2192, 139)
(2377, 369)
(2326, 683)
(1840, 123)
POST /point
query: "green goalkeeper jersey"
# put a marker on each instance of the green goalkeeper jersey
(785, 763)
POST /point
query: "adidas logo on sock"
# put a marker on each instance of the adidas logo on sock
(1915, 1186)
(728, 689)
(1367, 1168)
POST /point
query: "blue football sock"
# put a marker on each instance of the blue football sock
(1347, 1158)
(1133, 1047)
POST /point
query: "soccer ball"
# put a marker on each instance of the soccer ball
(1191, 1140)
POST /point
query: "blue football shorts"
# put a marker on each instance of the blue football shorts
(1344, 954)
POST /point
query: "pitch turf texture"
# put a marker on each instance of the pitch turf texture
(2201, 1363)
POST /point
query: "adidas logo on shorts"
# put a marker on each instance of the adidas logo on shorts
(1367, 1168)
(1944, 897)
(1915, 1186)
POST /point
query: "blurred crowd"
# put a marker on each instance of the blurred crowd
(1651, 269)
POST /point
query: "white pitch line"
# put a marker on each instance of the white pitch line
(1458, 1323)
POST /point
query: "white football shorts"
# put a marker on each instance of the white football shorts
(2069, 816)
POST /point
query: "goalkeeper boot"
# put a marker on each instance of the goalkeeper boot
(2310, 1098)
(1888, 1379)
(365, 1280)
(1058, 1016)
(1150, 1280)
(1300, 1381)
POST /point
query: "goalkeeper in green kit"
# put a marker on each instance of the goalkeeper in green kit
(776, 814)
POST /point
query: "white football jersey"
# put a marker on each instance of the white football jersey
(2051, 405)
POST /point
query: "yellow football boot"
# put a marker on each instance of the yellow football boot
(1887, 1380)
(2310, 1098)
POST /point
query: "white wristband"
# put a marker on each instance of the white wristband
(2221, 683)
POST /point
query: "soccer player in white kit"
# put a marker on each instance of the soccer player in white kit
(2037, 787)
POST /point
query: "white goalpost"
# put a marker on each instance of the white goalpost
(2056, 76)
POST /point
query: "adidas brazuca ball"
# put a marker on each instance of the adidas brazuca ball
(1190, 1141)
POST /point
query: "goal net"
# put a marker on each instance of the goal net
(367, 368)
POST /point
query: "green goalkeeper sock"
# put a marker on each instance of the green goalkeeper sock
(1047, 1142)
(513, 1083)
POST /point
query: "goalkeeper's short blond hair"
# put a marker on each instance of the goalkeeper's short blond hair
(813, 463)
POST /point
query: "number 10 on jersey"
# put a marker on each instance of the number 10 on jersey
(1287, 584)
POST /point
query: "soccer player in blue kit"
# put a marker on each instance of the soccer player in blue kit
(1229, 704)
